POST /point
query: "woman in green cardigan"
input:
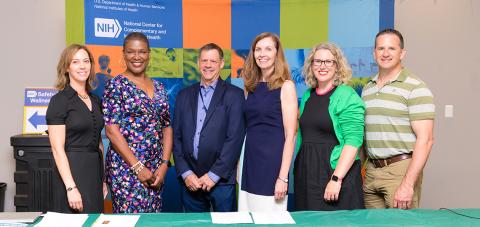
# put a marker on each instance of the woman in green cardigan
(327, 167)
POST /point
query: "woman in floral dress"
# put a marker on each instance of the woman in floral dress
(137, 119)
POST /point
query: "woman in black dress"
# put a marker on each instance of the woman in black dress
(327, 167)
(74, 119)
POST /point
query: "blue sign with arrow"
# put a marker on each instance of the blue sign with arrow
(37, 119)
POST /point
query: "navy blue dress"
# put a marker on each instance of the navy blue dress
(264, 141)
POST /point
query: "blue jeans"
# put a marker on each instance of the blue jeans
(221, 198)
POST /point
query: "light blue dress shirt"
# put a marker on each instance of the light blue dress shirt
(203, 102)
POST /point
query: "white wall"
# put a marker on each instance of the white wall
(32, 37)
(442, 39)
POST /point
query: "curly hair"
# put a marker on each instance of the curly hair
(343, 73)
(251, 73)
(64, 63)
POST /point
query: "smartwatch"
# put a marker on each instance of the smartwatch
(336, 178)
(163, 161)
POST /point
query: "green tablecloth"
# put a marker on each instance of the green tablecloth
(380, 217)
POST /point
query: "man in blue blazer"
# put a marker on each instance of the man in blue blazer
(209, 128)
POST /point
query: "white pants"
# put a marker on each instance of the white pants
(260, 203)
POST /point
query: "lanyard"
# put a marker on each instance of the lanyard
(203, 103)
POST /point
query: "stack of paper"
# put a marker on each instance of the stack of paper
(230, 217)
(279, 217)
(18, 217)
(116, 220)
(52, 219)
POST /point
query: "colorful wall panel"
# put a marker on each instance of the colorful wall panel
(177, 29)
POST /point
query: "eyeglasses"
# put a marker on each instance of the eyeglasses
(319, 62)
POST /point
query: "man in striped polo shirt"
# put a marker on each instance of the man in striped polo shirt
(399, 128)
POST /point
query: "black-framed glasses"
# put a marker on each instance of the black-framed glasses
(319, 62)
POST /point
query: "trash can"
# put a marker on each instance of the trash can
(3, 188)
(34, 166)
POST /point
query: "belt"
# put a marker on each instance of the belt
(379, 163)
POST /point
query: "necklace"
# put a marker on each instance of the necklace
(83, 96)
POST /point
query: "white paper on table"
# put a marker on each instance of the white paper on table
(116, 220)
(278, 217)
(231, 217)
(18, 217)
(53, 219)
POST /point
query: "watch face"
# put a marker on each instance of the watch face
(334, 178)
(284, 180)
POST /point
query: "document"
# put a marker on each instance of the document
(18, 217)
(53, 219)
(230, 217)
(116, 220)
(279, 217)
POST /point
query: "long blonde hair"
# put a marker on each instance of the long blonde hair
(252, 74)
(66, 57)
(343, 72)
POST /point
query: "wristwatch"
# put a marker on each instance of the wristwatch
(336, 178)
(283, 179)
(163, 161)
(71, 188)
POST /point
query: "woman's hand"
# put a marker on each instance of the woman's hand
(280, 189)
(75, 199)
(146, 177)
(160, 176)
(332, 191)
(105, 190)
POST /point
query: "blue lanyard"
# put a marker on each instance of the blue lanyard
(203, 103)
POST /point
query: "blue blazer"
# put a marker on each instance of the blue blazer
(221, 137)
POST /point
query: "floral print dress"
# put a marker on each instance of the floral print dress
(141, 120)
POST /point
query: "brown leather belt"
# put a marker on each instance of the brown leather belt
(379, 163)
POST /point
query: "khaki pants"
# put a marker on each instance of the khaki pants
(381, 183)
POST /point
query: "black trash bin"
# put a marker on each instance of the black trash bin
(34, 168)
(3, 188)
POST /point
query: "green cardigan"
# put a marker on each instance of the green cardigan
(347, 111)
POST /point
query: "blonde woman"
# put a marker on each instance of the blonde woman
(271, 119)
(75, 120)
(327, 167)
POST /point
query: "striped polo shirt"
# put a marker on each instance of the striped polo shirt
(389, 111)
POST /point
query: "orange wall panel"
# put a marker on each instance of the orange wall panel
(206, 21)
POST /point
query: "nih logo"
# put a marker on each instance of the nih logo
(31, 94)
(107, 28)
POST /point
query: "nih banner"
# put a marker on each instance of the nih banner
(176, 29)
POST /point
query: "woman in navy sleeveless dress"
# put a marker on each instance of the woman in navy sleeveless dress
(270, 113)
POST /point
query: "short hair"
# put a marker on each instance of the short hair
(136, 36)
(251, 73)
(343, 72)
(64, 62)
(393, 32)
(211, 46)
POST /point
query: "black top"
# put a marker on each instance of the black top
(83, 127)
(315, 123)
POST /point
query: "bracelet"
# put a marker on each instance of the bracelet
(284, 180)
(135, 166)
(71, 188)
(139, 169)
